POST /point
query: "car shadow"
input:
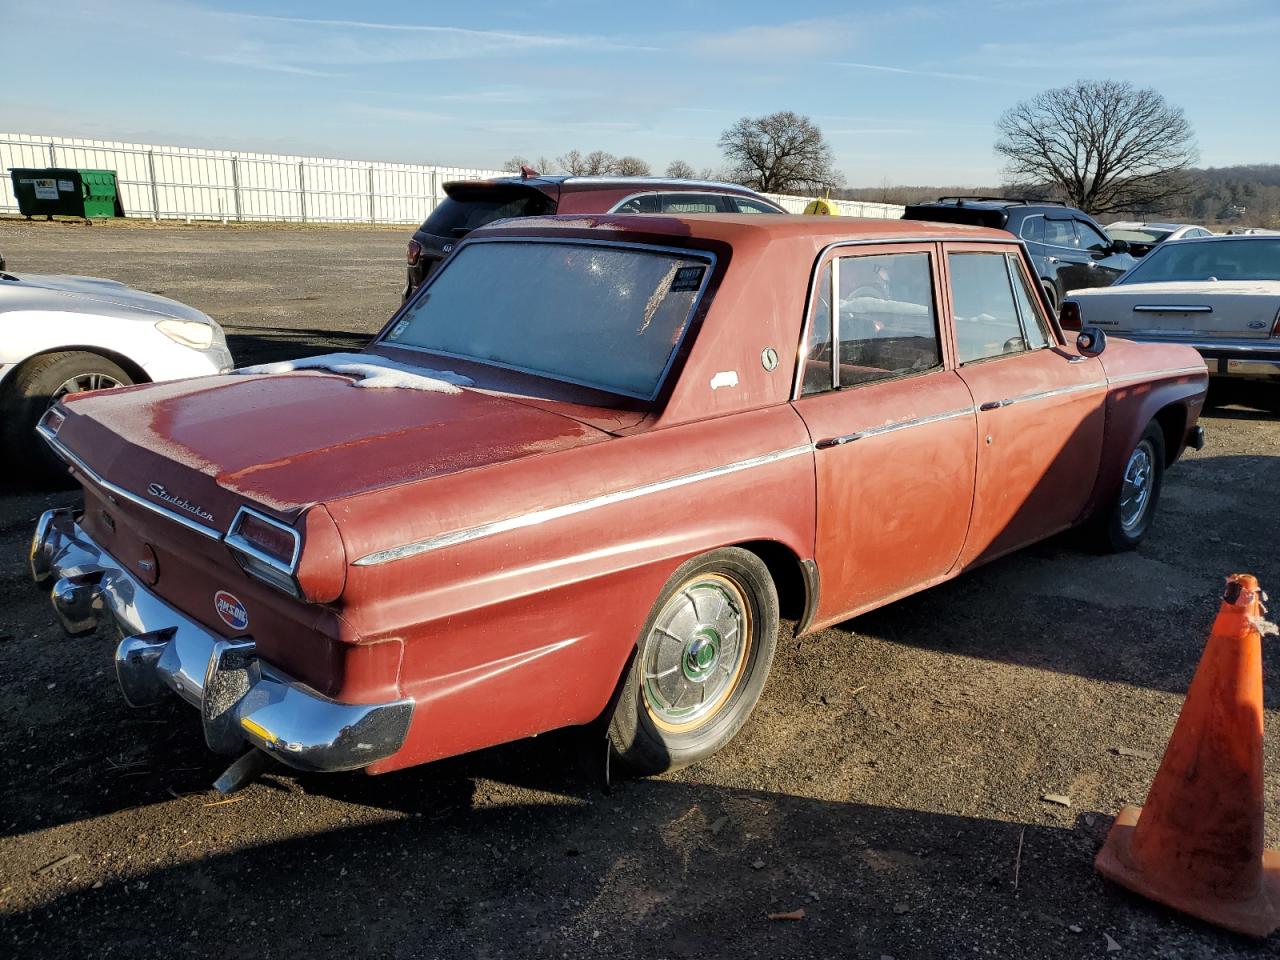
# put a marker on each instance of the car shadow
(253, 345)
(660, 868)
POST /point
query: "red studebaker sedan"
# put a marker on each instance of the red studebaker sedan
(584, 471)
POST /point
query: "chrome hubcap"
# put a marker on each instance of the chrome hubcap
(83, 383)
(1139, 479)
(694, 655)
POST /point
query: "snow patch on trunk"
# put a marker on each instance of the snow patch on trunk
(370, 370)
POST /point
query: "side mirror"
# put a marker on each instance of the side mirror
(1091, 342)
(1120, 246)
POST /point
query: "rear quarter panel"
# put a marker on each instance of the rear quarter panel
(530, 628)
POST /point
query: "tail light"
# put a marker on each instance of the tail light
(266, 549)
(414, 252)
(1069, 315)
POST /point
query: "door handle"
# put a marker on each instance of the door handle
(994, 404)
(830, 442)
(1052, 259)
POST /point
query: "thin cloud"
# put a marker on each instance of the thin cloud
(912, 72)
(795, 38)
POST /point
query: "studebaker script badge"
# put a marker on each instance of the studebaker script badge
(158, 491)
(231, 610)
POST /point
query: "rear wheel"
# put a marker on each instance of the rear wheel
(1123, 523)
(35, 387)
(701, 663)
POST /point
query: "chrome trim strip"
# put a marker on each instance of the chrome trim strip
(62, 451)
(893, 427)
(1059, 392)
(1172, 308)
(1172, 372)
(519, 522)
(1262, 345)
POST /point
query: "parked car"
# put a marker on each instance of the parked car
(469, 204)
(61, 335)
(651, 437)
(1220, 295)
(1068, 248)
(1142, 237)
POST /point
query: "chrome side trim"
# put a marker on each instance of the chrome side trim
(1059, 392)
(1172, 308)
(893, 427)
(519, 522)
(1174, 372)
(89, 473)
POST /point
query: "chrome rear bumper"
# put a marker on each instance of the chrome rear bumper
(242, 700)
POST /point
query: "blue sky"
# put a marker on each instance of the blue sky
(906, 92)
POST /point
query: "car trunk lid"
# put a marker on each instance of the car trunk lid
(1235, 309)
(199, 449)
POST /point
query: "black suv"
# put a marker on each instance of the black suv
(469, 204)
(1069, 249)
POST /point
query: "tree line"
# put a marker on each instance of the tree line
(1104, 146)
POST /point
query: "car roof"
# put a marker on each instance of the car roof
(577, 183)
(991, 203)
(731, 227)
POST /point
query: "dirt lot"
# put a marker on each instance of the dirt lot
(885, 785)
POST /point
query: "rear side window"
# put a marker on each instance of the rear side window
(1033, 229)
(645, 204)
(455, 217)
(1059, 233)
(886, 326)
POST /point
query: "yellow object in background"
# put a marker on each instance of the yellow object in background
(821, 206)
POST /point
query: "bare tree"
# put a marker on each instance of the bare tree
(779, 152)
(631, 167)
(679, 170)
(599, 163)
(515, 163)
(1106, 145)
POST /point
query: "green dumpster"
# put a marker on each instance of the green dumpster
(64, 192)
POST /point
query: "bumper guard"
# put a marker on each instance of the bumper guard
(241, 699)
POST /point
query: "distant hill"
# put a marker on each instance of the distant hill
(1246, 195)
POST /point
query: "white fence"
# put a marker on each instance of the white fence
(847, 208)
(167, 183)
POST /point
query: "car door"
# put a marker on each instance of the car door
(892, 425)
(1104, 264)
(1039, 406)
(1063, 253)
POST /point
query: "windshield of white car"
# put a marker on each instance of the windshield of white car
(1198, 260)
(607, 316)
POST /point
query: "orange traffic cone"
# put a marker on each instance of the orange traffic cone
(1197, 844)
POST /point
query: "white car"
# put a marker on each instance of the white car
(61, 335)
(1143, 237)
(1220, 295)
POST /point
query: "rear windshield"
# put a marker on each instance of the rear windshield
(604, 316)
(457, 216)
(1209, 260)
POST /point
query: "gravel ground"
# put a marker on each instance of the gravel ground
(889, 784)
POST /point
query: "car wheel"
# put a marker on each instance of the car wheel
(1125, 521)
(36, 386)
(701, 663)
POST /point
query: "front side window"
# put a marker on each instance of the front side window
(887, 326)
(1032, 325)
(986, 315)
(1059, 233)
(745, 205)
(1091, 239)
(608, 317)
